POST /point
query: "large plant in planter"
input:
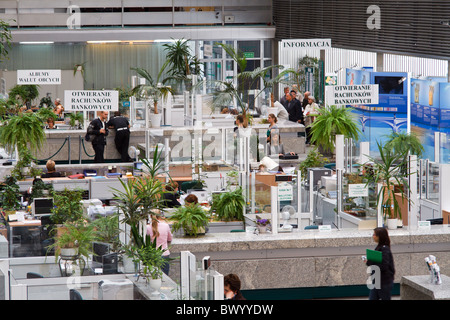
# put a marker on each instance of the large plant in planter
(331, 121)
(387, 172)
(73, 240)
(154, 89)
(192, 218)
(229, 91)
(24, 133)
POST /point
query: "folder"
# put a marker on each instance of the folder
(374, 256)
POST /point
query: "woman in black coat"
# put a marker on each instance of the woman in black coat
(383, 286)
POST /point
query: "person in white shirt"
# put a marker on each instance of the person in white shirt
(311, 109)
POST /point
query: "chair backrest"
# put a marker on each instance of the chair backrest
(75, 295)
(33, 275)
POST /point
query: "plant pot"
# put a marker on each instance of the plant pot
(392, 224)
(155, 120)
(69, 253)
(155, 284)
(262, 229)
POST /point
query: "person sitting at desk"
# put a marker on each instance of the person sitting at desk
(51, 123)
(276, 148)
(191, 199)
(171, 195)
(51, 170)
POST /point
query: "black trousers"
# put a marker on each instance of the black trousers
(122, 141)
(99, 150)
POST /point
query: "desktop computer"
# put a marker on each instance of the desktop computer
(41, 207)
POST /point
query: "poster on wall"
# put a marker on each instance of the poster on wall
(378, 121)
(444, 105)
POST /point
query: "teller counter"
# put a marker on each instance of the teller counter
(313, 258)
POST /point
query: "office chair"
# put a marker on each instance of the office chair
(33, 275)
(75, 295)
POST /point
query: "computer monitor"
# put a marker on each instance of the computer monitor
(100, 249)
(41, 207)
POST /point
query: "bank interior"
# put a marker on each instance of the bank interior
(291, 226)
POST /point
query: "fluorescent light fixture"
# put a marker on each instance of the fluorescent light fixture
(36, 42)
(104, 41)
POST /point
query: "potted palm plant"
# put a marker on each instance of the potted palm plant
(154, 89)
(192, 218)
(331, 121)
(387, 172)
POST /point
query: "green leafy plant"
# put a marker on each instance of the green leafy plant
(5, 40)
(150, 256)
(74, 117)
(77, 234)
(229, 205)
(41, 189)
(226, 91)
(191, 218)
(154, 89)
(25, 92)
(404, 143)
(387, 171)
(23, 131)
(331, 121)
(106, 229)
(9, 194)
(46, 102)
(313, 159)
(45, 113)
(67, 206)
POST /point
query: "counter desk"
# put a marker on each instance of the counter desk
(313, 258)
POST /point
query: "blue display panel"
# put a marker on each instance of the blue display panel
(378, 121)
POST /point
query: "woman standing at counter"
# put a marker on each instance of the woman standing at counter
(387, 268)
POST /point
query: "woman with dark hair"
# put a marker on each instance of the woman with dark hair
(171, 195)
(232, 287)
(383, 286)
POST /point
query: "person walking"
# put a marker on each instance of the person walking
(386, 266)
(99, 130)
(122, 138)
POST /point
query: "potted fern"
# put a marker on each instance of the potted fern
(331, 121)
(76, 119)
(192, 218)
(228, 207)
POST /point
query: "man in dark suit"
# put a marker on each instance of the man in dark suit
(122, 139)
(99, 130)
(294, 108)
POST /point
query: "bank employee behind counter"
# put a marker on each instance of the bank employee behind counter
(275, 147)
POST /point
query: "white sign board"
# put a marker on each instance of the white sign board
(358, 190)
(351, 94)
(39, 77)
(285, 192)
(91, 100)
(295, 44)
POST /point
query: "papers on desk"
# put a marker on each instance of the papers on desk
(18, 216)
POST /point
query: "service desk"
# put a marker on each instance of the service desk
(313, 258)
